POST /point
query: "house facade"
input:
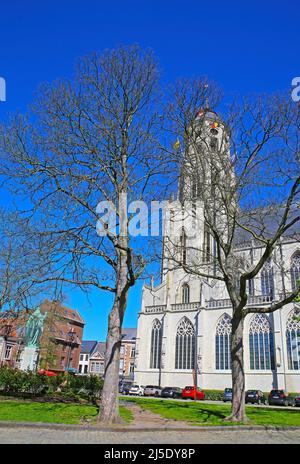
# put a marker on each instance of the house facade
(92, 357)
(127, 353)
(184, 325)
(11, 340)
(87, 348)
(97, 360)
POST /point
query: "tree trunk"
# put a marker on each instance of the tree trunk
(109, 407)
(238, 413)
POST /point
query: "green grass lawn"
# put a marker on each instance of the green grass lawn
(213, 414)
(26, 411)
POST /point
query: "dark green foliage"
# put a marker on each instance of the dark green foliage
(214, 395)
(14, 382)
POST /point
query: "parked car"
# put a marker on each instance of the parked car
(255, 397)
(124, 387)
(136, 390)
(171, 392)
(192, 392)
(152, 390)
(297, 400)
(280, 397)
(227, 395)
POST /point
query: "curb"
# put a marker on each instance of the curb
(91, 428)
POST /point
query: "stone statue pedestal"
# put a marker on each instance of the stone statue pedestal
(29, 359)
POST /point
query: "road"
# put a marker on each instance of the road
(20, 435)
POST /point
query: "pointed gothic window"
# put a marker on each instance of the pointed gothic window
(183, 251)
(261, 343)
(267, 280)
(206, 244)
(185, 345)
(295, 271)
(156, 342)
(185, 293)
(251, 288)
(223, 341)
(293, 341)
(194, 188)
(214, 142)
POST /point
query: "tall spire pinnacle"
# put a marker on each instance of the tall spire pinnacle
(206, 97)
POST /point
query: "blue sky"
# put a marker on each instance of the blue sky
(246, 47)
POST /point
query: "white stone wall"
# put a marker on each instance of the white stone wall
(209, 377)
(169, 292)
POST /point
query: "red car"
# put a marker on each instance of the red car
(47, 373)
(191, 392)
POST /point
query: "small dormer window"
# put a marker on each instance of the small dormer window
(214, 131)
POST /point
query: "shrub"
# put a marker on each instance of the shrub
(214, 395)
(19, 383)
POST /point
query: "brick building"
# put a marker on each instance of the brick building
(61, 339)
(12, 328)
(127, 354)
(59, 344)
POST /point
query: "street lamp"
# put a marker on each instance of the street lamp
(71, 337)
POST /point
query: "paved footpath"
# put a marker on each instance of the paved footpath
(19, 435)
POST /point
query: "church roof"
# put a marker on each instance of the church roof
(88, 346)
(99, 350)
(264, 222)
(129, 334)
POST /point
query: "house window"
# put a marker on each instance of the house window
(295, 272)
(156, 341)
(223, 341)
(122, 350)
(85, 369)
(261, 343)
(132, 354)
(185, 346)
(81, 357)
(95, 367)
(293, 341)
(8, 352)
(131, 368)
(185, 293)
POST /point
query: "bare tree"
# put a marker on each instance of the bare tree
(91, 140)
(241, 173)
(18, 264)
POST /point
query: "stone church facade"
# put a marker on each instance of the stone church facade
(184, 325)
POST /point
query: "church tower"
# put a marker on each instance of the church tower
(206, 173)
(206, 156)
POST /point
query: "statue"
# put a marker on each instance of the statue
(34, 328)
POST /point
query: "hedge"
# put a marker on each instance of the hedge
(214, 395)
(14, 382)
